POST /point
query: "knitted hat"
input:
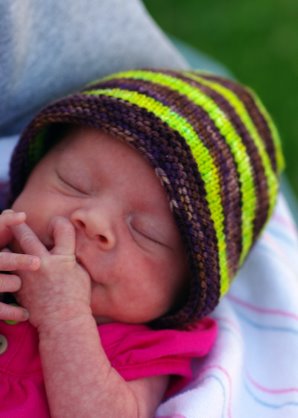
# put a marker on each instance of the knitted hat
(212, 145)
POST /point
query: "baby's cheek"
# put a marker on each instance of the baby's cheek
(153, 293)
(22, 202)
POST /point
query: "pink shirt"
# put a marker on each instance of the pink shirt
(135, 351)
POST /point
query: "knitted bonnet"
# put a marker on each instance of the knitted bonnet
(212, 145)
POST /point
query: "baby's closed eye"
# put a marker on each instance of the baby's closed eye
(72, 184)
(146, 229)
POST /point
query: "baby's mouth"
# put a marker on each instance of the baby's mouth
(49, 247)
(47, 242)
(81, 263)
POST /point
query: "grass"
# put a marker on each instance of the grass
(257, 40)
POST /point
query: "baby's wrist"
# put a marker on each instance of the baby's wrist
(57, 319)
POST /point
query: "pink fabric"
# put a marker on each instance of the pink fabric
(137, 351)
(134, 350)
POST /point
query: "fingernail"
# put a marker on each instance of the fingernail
(21, 214)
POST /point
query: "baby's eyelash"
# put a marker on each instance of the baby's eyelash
(148, 236)
(69, 184)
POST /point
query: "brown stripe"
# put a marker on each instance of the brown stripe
(254, 113)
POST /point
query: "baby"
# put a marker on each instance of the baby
(133, 204)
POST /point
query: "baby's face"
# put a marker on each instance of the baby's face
(126, 237)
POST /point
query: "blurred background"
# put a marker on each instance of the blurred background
(257, 40)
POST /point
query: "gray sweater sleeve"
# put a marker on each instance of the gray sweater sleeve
(50, 48)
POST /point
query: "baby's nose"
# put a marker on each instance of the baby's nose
(96, 227)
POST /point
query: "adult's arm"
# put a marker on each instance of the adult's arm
(48, 49)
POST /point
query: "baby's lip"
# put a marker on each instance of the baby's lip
(82, 264)
(49, 247)
(47, 242)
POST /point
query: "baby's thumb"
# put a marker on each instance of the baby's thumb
(63, 233)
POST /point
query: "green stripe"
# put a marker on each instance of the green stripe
(204, 160)
(245, 118)
(227, 130)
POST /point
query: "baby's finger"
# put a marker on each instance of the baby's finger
(13, 261)
(7, 219)
(13, 313)
(9, 283)
(28, 240)
(10, 217)
(64, 236)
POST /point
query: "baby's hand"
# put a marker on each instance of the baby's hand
(60, 289)
(10, 262)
